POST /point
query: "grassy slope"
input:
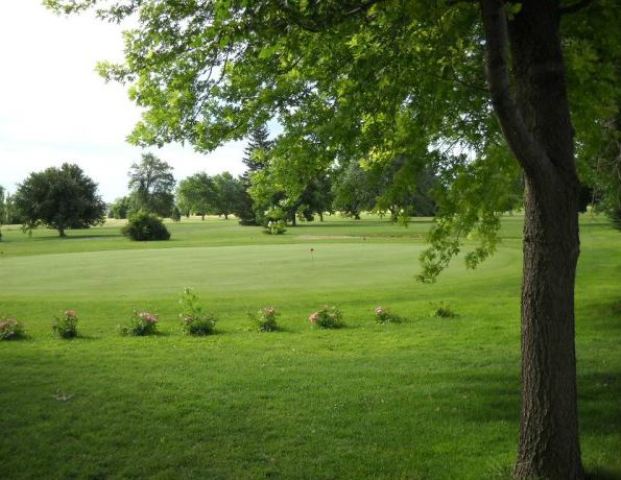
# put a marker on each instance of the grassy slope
(431, 398)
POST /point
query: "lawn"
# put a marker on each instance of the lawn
(430, 398)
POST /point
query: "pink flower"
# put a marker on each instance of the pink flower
(147, 317)
(71, 314)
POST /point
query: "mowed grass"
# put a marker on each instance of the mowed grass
(431, 398)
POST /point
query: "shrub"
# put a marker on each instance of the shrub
(327, 317)
(11, 329)
(140, 324)
(275, 227)
(444, 311)
(383, 315)
(265, 319)
(194, 320)
(144, 226)
(66, 326)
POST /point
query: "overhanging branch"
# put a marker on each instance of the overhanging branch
(317, 23)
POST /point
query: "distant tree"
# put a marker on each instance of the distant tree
(11, 214)
(197, 194)
(176, 214)
(151, 183)
(354, 192)
(228, 192)
(256, 156)
(404, 185)
(120, 208)
(317, 198)
(59, 198)
(258, 148)
(2, 210)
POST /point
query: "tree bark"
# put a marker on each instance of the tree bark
(536, 123)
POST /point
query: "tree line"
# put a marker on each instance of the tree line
(65, 197)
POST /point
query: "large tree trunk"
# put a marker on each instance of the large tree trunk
(536, 122)
(549, 447)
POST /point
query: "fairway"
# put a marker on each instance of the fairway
(430, 398)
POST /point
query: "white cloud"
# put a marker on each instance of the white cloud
(54, 108)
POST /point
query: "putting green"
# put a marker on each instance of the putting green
(230, 271)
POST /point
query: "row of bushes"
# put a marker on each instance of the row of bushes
(197, 322)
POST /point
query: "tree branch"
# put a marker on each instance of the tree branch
(528, 151)
(317, 24)
(574, 7)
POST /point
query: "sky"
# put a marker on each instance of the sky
(54, 108)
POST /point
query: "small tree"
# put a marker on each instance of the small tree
(59, 198)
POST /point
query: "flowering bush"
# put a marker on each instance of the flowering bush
(383, 315)
(327, 317)
(11, 329)
(194, 320)
(275, 227)
(140, 324)
(67, 325)
(266, 319)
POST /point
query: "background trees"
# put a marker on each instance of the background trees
(228, 192)
(60, 198)
(197, 195)
(2, 210)
(120, 208)
(151, 184)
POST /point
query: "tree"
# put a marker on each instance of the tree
(120, 208)
(256, 157)
(404, 185)
(374, 79)
(197, 194)
(151, 183)
(2, 210)
(12, 216)
(59, 198)
(353, 191)
(256, 153)
(228, 192)
(316, 198)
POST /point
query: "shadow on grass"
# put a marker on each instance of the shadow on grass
(499, 399)
(78, 338)
(602, 474)
(601, 313)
